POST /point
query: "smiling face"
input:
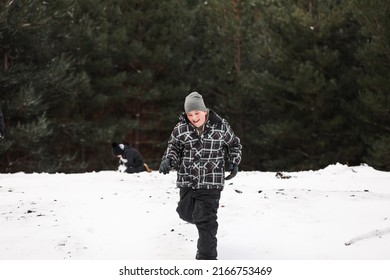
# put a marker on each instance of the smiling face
(197, 118)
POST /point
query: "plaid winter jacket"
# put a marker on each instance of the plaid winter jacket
(200, 159)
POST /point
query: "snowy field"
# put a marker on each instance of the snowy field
(337, 213)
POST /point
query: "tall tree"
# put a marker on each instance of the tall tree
(34, 79)
(308, 81)
(372, 109)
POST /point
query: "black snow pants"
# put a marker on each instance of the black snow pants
(199, 207)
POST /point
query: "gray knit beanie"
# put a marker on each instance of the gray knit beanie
(194, 102)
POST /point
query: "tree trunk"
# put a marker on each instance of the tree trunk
(5, 60)
(237, 39)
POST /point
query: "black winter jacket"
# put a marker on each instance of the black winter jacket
(133, 157)
(200, 159)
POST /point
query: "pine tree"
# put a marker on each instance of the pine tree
(130, 51)
(372, 109)
(101, 71)
(33, 77)
(308, 80)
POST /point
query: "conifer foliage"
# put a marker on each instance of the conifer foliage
(35, 83)
(307, 84)
(372, 107)
(303, 83)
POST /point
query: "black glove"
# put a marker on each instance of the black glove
(165, 166)
(233, 168)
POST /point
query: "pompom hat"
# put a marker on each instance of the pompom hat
(117, 149)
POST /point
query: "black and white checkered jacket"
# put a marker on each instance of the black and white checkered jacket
(200, 159)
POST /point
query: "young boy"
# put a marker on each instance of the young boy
(130, 160)
(197, 148)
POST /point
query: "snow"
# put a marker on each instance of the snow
(336, 213)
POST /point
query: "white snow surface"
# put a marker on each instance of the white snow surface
(336, 213)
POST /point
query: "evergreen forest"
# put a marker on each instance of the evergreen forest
(303, 83)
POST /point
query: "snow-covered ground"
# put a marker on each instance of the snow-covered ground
(337, 213)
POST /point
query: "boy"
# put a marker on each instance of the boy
(197, 149)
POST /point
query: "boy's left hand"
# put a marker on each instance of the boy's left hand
(122, 160)
(233, 167)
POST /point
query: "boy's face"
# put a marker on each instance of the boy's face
(197, 118)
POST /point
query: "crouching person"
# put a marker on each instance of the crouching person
(130, 159)
(196, 148)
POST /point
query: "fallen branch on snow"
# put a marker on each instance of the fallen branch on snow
(374, 233)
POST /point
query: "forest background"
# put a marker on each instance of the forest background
(303, 83)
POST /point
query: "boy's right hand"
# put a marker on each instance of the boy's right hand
(165, 166)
